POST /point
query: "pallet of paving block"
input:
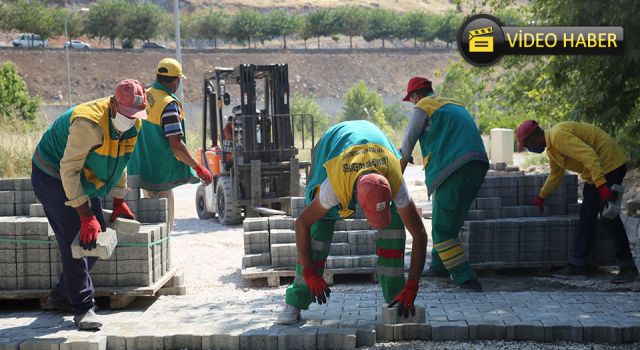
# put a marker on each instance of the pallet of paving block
(273, 275)
(119, 297)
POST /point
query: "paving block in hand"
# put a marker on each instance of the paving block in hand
(126, 226)
(390, 315)
(105, 246)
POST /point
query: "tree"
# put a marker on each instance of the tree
(362, 103)
(142, 21)
(381, 25)
(447, 27)
(281, 23)
(246, 24)
(304, 32)
(75, 24)
(34, 17)
(351, 21)
(417, 25)
(320, 23)
(211, 25)
(107, 20)
(15, 101)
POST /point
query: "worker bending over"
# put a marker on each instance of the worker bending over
(589, 151)
(354, 162)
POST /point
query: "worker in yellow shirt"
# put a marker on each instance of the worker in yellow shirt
(589, 151)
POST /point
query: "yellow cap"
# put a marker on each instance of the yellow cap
(170, 67)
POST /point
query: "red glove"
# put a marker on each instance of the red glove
(203, 174)
(539, 202)
(605, 193)
(121, 209)
(405, 298)
(319, 289)
(89, 230)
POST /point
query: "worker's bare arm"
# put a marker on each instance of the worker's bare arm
(310, 215)
(180, 150)
(413, 222)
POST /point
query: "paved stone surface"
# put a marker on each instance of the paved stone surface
(348, 319)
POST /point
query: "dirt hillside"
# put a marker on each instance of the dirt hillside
(321, 74)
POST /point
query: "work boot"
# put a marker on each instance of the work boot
(88, 321)
(289, 315)
(471, 286)
(626, 275)
(570, 272)
(58, 302)
(431, 272)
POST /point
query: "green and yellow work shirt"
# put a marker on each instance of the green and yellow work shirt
(346, 151)
(103, 152)
(153, 160)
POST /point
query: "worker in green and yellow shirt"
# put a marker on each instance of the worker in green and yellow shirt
(161, 159)
(455, 164)
(589, 151)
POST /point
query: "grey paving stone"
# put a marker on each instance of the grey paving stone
(297, 338)
(281, 222)
(412, 331)
(255, 224)
(183, 341)
(152, 204)
(259, 338)
(365, 335)
(282, 236)
(525, 330)
(601, 332)
(568, 330)
(41, 344)
(486, 330)
(390, 315)
(125, 226)
(444, 331)
(105, 246)
(335, 338)
(262, 259)
(94, 342)
(36, 210)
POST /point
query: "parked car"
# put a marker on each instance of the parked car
(153, 45)
(30, 40)
(127, 44)
(77, 44)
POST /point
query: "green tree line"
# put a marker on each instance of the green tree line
(130, 21)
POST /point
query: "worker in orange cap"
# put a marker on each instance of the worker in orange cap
(455, 163)
(589, 151)
(354, 162)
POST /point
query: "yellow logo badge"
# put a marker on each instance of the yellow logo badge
(481, 40)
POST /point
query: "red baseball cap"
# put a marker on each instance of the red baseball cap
(525, 129)
(374, 196)
(416, 83)
(131, 99)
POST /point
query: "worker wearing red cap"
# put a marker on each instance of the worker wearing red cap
(354, 162)
(455, 163)
(589, 151)
(80, 159)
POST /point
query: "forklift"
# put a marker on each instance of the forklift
(250, 152)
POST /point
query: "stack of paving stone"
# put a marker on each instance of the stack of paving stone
(29, 255)
(270, 242)
(146, 210)
(504, 228)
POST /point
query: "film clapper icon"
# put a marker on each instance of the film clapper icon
(481, 40)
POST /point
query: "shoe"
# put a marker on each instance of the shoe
(431, 272)
(88, 321)
(58, 302)
(570, 272)
(289, 315)
(472, 286)
(626, 275)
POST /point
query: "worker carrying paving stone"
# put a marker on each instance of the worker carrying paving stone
(589, 151)
(162, 160)
(80, 159)
(354, 162)
(455, 164)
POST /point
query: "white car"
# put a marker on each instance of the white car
(77, 44)
(30, 40)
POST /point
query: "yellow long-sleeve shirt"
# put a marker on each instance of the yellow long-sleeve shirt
(84, 136)
(583, 148)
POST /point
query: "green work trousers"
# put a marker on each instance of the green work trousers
(450, 208)
(390, 250)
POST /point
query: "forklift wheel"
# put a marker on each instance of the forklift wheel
(229, 213)
(201, 204)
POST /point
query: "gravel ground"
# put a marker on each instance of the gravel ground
(490, 345)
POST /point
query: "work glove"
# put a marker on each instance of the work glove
(405, 299)
(121, 209)
(89, 230)
(539, 202)
(319, 289)
(203, 174)
(606, 194)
